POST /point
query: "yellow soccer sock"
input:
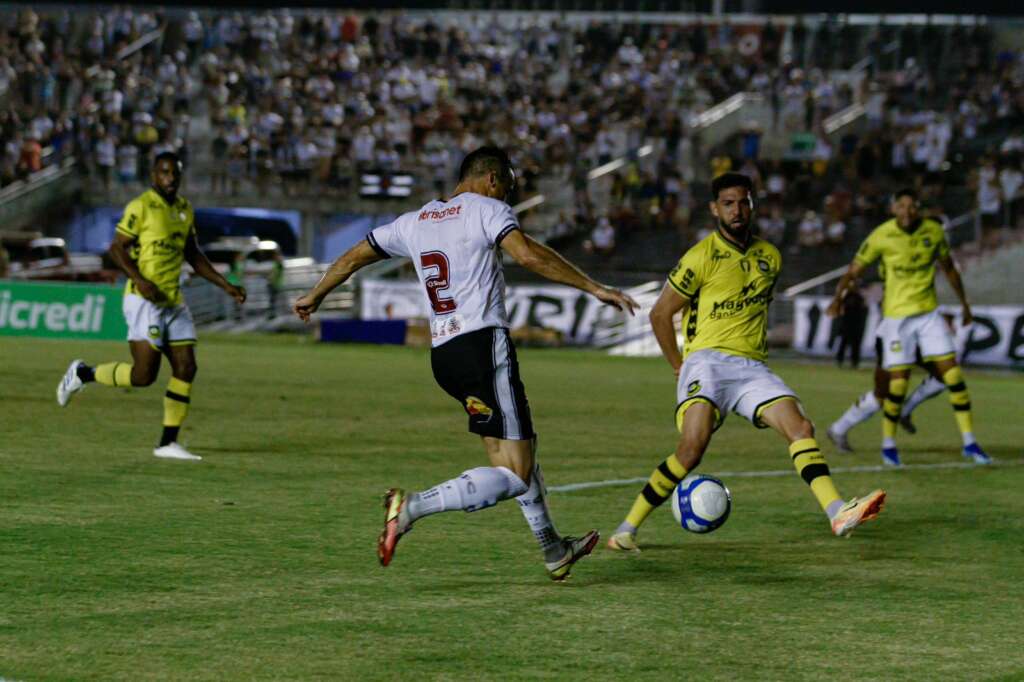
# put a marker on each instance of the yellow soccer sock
(891, 407)
(659, 486)
(959, 398)
(114, 374)
(811, 466)
(176, 402)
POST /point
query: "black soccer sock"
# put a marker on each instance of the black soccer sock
(86, 373)
(169, 435)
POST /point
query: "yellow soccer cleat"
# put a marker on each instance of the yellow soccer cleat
(857, 511)
(575, 549)
(623, 542)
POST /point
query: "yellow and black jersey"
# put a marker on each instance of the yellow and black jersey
(729, 291)
(907, 264)
(160, 231)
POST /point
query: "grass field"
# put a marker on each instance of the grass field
(259, 563)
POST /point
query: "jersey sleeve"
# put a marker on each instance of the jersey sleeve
(942, 245)
(131, 221)
(498, 225)
(387, 241)
(868, 252)
(688, 274)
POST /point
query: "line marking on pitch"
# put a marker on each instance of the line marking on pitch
(612, 482)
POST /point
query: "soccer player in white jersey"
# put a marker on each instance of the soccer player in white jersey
(453, 244)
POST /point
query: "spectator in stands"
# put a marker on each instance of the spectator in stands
(988, 196)
(127, 163)
(602, 238)
(106, 155)
(852, 322)
(1011, 181)
(30, 159)
(772, 224)
(835, 233)
(810, 232)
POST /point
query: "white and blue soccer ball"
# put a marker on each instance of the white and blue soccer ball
(701, 503)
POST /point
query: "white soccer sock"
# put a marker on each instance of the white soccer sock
(968, 438)
(474, 490)
(929, 388)
(534, 505)
(860, 411)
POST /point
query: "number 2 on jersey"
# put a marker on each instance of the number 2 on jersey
(437, 281)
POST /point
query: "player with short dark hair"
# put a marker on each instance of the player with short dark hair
(454, 243)
(155, 236)
(909, 247)
(722, 287)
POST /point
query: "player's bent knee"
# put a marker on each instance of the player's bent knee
(186, 372)
(144, 376)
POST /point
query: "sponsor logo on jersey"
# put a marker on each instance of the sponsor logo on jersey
(444, 213)
(475, 406)
(723, 309)
(763, 265)
(719, 255)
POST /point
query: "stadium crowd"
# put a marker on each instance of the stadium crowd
(302, 102)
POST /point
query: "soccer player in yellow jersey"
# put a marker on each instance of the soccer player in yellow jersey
(155, 236)
(908, 247)
(722, 286)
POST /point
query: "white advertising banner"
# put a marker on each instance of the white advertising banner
(563, 309)
(996, 338)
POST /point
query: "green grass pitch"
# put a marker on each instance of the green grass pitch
(259, 562)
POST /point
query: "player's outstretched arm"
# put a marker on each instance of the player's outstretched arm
(852, 274)
(548, 263)
(949, 267)
(347, 264)
(119, 253)
(204, 268)
(668, 305)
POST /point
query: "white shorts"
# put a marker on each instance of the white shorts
(728, 382)
(904, 337)
(158, 325)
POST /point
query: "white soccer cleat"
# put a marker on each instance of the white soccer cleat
(839, 439)
(174, 451)
(69, 383)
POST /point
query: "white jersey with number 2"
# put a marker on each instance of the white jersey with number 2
(454, 246)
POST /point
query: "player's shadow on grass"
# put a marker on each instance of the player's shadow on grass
(734, 562)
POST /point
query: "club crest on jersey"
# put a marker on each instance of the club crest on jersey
(475, 406)
(693, 388)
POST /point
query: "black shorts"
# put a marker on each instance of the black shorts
(480, 370)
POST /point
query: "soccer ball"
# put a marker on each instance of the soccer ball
(701, 503)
